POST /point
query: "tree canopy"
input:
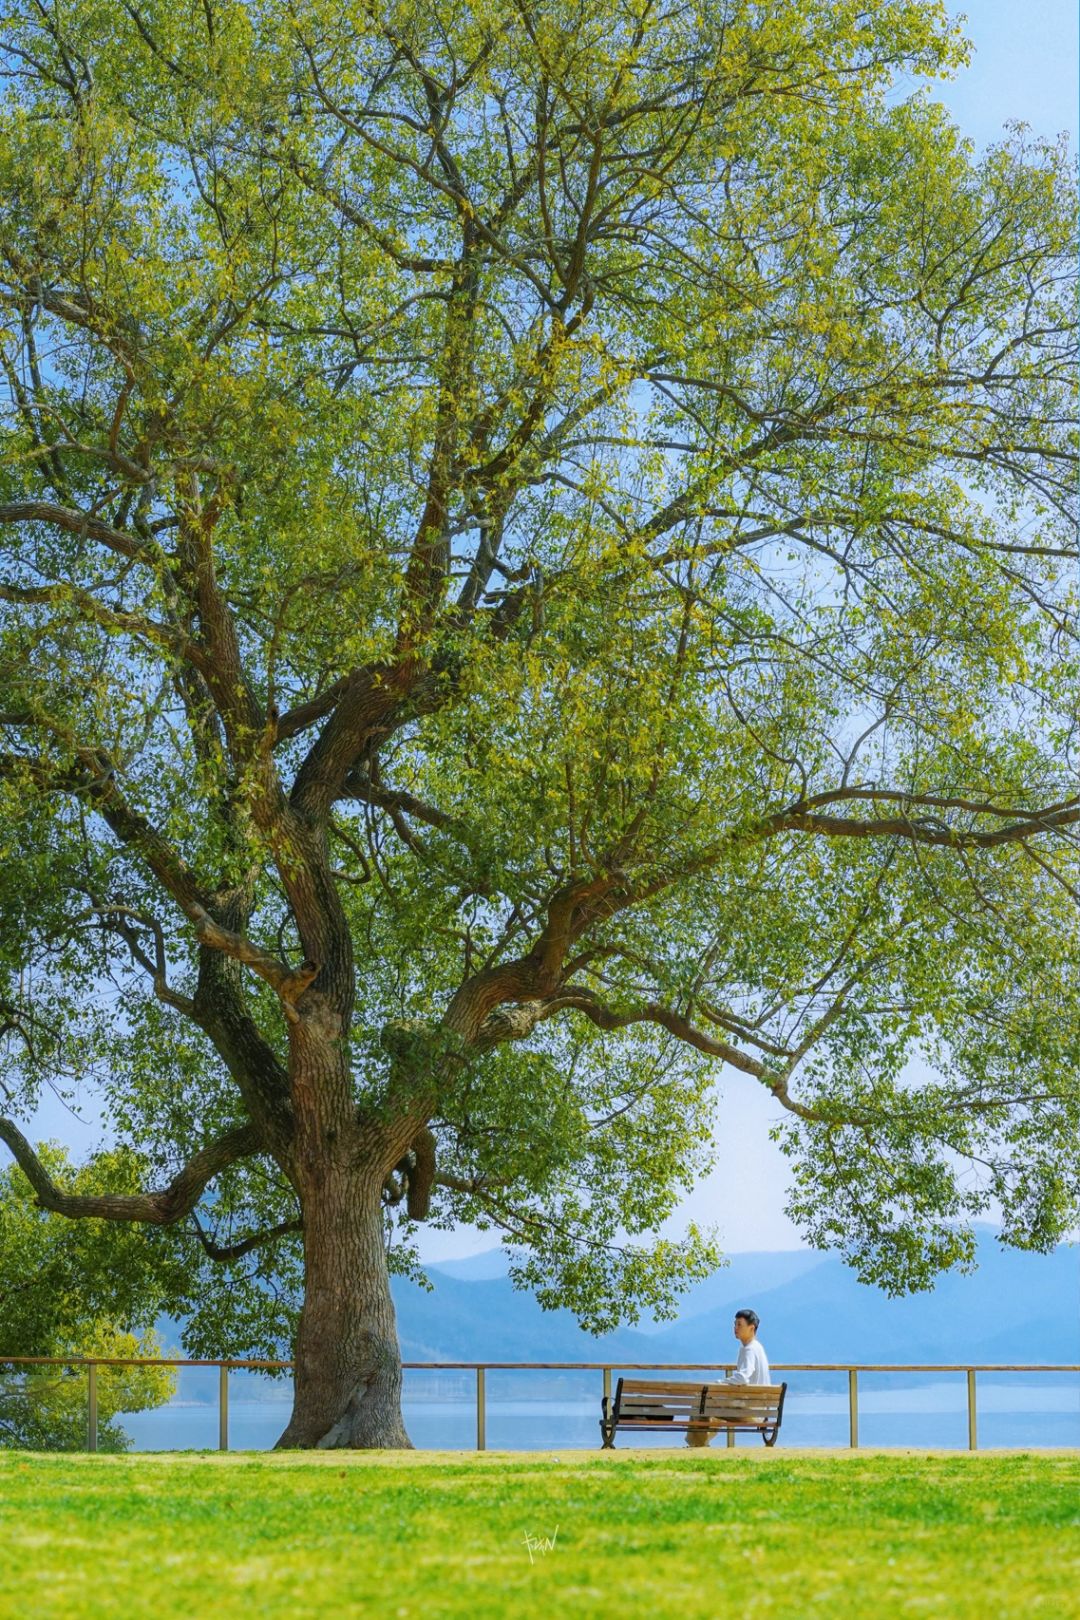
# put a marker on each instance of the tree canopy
(539, 566)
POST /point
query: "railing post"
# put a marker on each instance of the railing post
(973, 1437)
(481, 1411)
(223, 1409)
(853, 1407)
(730, 1432)
(607, 1390)
(91, 1407)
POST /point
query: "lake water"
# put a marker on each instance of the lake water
(440, 1413)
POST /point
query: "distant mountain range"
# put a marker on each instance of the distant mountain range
(1016, 1307)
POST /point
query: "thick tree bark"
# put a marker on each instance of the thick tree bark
(347, 1379)
(347, 1382)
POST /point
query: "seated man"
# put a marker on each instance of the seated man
(752, 1368)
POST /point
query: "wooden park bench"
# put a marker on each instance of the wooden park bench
(660, 1406)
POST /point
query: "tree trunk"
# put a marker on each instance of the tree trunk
(347, 1381)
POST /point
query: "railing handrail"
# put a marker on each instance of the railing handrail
(562, 1366)
(480, 1370)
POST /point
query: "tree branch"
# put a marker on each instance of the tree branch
(120, 918)
(95, 775)
(580, 999)
(288, 983)
(802, 818)
(305, 714)
(72, 521)
(115, 619)
(162, 1208)
(527, 981)
(236, 1251)
(361, 787)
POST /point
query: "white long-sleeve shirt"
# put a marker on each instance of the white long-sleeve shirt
(753, 1367)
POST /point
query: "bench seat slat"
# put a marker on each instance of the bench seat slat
(716, 1426)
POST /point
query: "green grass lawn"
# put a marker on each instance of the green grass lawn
(657, 1534)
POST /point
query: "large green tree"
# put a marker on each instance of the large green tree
(539, 560)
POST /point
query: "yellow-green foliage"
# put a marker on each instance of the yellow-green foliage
(74, 1288)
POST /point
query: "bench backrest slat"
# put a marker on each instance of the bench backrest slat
(653, 1398)
(633, 1386)
(751, 1394)
(757, 1402)
(644, 1399)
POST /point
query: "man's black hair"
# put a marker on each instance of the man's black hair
(749, 1316)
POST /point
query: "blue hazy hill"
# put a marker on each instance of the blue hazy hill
(1016, 1307)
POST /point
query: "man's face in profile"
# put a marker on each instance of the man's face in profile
(743, 1331)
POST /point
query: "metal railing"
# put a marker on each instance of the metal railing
(481, 1368)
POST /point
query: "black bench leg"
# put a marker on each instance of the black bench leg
(607, 1437)
(769, 1439)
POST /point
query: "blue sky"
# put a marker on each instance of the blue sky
(1025, 66)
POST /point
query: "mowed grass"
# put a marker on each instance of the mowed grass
(869, 1535)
